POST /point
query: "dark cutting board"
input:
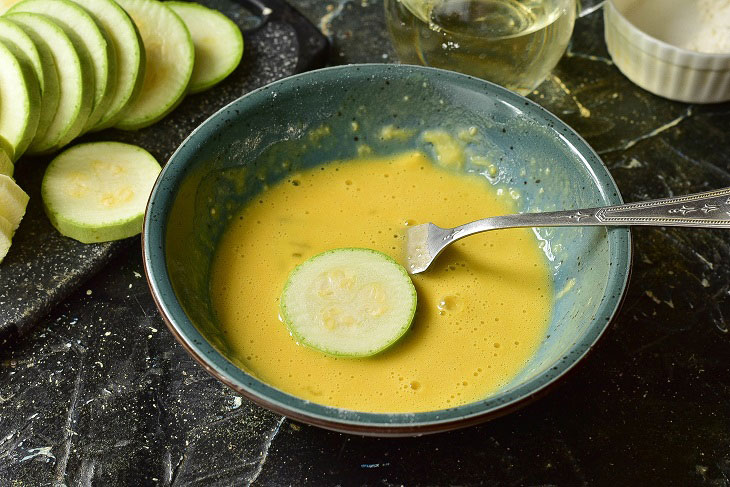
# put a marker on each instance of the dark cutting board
(43, 267)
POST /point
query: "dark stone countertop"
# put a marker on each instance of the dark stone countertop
(101, 394)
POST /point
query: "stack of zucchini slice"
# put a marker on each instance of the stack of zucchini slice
(72, 67)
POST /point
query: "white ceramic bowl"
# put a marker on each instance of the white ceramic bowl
(650, 40)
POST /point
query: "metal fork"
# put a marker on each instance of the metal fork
(710, 209)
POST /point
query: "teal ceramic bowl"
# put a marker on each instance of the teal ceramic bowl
(234, 154)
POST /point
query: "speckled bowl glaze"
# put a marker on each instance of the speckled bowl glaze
(235, 153)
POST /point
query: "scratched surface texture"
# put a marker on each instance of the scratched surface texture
(100, 394)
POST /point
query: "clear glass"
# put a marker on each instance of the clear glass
(514, 43)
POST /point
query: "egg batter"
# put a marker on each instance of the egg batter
(483, 307)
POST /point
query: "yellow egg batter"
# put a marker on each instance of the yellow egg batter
(483, 307)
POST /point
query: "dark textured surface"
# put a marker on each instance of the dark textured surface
(100, 394)
(43, 267)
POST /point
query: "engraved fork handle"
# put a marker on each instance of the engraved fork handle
(710, 209)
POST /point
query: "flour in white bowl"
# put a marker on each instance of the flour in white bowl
(713, 33)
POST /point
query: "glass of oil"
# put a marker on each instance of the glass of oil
(514, 43)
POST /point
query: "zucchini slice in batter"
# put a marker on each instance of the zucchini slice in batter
(350, 302)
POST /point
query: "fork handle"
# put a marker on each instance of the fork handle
(710, 209)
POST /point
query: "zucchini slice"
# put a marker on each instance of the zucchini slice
(5, 147)
(90, 43)
(128, 51)
(20, 102)
(6, 165)
(97, 192)
(168, 65)
(349, 302)
(13, 201)
(6, 237)
(12, 35)
(218, 44)
(44, 69)
(6, 4)
(75, 79)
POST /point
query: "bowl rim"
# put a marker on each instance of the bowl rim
(364, 423)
